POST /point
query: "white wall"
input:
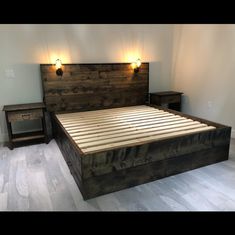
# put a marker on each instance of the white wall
(24, 47)
(203, 67)
(198, 60)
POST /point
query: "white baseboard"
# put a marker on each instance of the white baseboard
(233, 133)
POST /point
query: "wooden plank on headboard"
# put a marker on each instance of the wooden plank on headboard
(94, 86)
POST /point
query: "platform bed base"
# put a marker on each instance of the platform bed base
(105, 172)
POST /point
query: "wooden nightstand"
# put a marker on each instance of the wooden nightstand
(171, 98)
(23, 112)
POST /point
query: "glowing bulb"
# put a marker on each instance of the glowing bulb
(58, 64)
(138, 63)
(134, 65)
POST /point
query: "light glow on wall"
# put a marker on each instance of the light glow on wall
(65, 57)
(131, 56)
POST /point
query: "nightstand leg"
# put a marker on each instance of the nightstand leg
(44, 128)
(10, 146)
(9, 129)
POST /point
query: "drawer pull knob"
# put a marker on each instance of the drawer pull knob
(25, 116)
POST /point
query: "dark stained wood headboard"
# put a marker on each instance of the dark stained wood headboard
(94, 86)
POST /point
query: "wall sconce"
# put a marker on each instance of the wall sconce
(136, 65)
(58, 66)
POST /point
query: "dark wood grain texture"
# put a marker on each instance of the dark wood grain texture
(18, 107)
(86, 87)
(172, 98)
(94, 86)
(113, 170)
(25, 112)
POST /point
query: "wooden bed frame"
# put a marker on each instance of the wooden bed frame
(123, 167)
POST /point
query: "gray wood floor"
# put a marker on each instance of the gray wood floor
(37, 178)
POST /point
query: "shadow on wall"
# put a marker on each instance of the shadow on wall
(155, 83)
(185, 103)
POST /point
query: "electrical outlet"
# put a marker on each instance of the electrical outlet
(10, 73)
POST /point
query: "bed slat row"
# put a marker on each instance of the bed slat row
(103, 130)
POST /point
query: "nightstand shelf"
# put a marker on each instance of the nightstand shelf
(170, 98)
(27, 136)
(25, 112)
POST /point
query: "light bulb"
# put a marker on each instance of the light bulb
(134, 65)
(58, 64)
(138, 63)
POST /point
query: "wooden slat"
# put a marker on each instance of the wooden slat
(107, 147)
(136, 136)
(108, 113)
(109, 131)
(113, 110)
(132, 132)
(103, 111)
(114, 120)
(99, 126)
(108, 116)
(103, 118)
(129, 109)
(101, 130)
(121, 126)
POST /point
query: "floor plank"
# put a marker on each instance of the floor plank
(3, 201)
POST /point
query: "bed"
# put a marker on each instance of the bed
(111, 142)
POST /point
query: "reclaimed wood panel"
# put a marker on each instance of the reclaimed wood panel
(94, 86)
(118, 180)
(30, 114)
(23, 106)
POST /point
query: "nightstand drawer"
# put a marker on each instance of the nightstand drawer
(170, 99)
(25, 115)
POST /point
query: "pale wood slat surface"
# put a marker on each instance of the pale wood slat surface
(133, 132)
(113, 114)
(135, 136)
(109, 128)
(101, 130)
(85, 123)
(103, 111)
(126, 111)
(142, 140)
(125, 129)
(132, 123)
(81, 120)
